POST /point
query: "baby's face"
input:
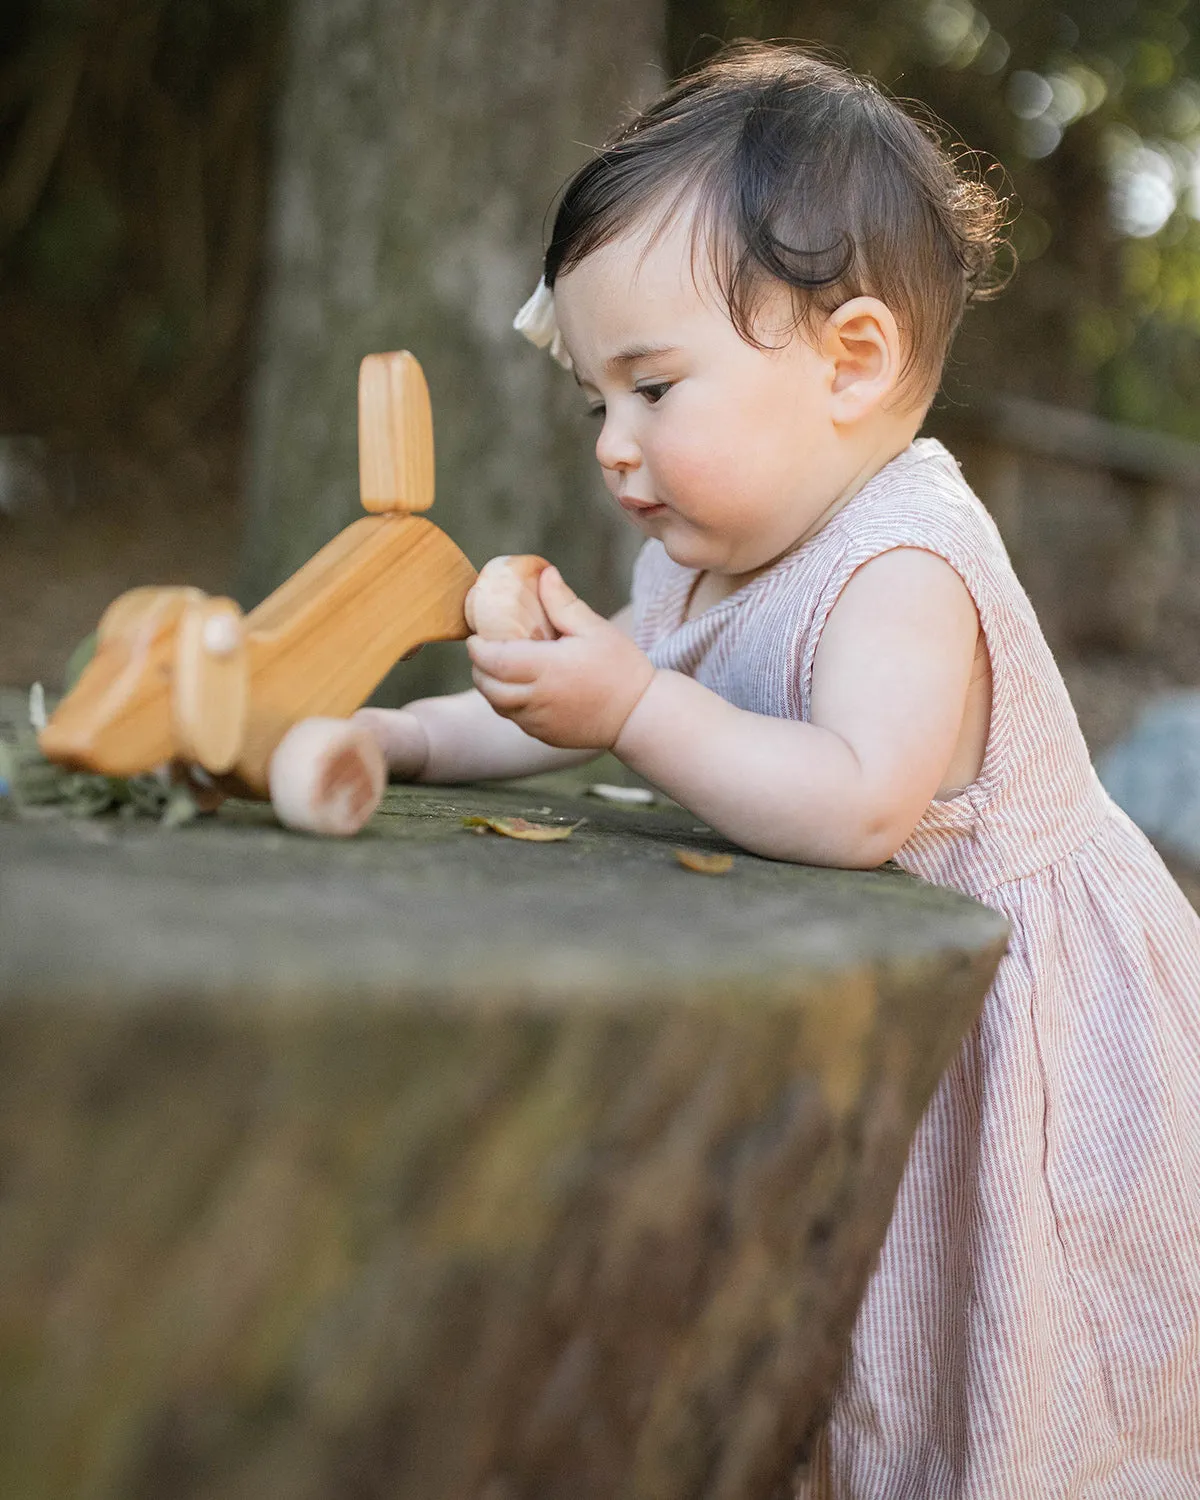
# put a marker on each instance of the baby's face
(725, 452)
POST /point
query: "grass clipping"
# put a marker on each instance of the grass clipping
(30, 782)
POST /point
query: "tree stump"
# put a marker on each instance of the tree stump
(418, 150)
(442, 1166)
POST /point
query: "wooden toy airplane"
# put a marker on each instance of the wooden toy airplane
(183, 679)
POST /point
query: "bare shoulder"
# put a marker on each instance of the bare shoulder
(914, 582)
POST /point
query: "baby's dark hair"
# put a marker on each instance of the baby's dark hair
(798, 171)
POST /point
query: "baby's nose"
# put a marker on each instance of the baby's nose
(616, 448)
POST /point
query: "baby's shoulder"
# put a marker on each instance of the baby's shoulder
(925, 482)
(920, 499)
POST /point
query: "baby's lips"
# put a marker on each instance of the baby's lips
(503, 603)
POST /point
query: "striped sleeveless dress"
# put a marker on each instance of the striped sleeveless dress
(1032, 1329)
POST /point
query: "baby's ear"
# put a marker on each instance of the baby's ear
(862, 342)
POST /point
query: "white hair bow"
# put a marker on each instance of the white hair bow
(537, 323)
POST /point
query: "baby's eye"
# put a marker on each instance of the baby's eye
(597, 412)
(655, 391)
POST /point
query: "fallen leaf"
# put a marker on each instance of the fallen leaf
(522, 828)
(704, 864)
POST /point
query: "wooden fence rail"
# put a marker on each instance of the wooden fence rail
(1021, 455)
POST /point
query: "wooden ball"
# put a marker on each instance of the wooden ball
(327, 776)
(503, 604)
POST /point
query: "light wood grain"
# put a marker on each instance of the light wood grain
(395, 583)
(395, 434)
(210, 684)
(117, 719)
(161, 688)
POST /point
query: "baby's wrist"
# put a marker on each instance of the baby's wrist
(630, 734)
(402, 737)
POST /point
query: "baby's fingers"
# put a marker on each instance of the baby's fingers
(508, 661)
(505, 697)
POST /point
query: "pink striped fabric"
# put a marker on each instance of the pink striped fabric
(1032, 1329)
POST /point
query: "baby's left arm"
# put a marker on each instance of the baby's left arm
(889, 689)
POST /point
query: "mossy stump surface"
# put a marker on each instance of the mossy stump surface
(441, 1166)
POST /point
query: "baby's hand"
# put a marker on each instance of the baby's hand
(575, 692)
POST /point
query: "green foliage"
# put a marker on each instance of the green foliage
(78, 660)
(1093, 107)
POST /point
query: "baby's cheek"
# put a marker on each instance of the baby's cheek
(707, 477)
(728, 503)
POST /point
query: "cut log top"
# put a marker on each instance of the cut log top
(419, 905)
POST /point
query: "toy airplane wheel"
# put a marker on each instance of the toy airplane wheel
(326, 776)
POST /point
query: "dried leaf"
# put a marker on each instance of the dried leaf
(522, 828)
(704, 864)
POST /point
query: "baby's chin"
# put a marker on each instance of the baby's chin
(690, 551)
(682, 543)
(684, 556)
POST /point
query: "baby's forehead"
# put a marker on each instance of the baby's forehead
(617, 300)
(658, 284)
(659, 261)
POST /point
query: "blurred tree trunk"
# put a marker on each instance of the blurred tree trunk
(418, 151)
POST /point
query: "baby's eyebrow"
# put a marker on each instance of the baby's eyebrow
(626, 357)
(630, 356)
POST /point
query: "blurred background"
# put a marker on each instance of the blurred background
(210, 210)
